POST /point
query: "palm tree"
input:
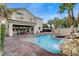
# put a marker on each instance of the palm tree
(78, 18)
(4, 14)
(69, 8)
(78, 21)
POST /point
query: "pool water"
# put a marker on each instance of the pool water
(49, 43)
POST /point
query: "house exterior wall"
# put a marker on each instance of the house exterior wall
(38, 25)
(27, 19)
(26, 16)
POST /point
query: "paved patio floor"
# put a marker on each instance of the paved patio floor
(21, 45)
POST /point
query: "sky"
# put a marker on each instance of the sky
(46, 11)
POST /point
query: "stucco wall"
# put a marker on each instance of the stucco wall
(26, 16)
(39, 24)
(63, 31)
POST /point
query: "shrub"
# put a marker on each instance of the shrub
(2, 36)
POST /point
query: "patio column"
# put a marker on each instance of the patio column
(35, 29)
(10, 29)
(30, 30)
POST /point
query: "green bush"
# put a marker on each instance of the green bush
(45, 26)
(2, 36)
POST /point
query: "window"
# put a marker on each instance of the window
(19, 15)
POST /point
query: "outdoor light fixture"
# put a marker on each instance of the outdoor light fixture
(3, 21)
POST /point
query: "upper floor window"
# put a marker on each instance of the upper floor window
(19, 15)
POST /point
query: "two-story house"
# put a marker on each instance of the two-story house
(23, 22)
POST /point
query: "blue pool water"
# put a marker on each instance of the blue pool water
(49, 43)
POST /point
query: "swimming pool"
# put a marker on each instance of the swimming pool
(49, 43)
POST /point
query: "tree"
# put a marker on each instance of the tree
(78, 17)
(69, 8)
(5, 12)
(45, 26)
(57, 22)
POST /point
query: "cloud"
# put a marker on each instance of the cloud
(76, 13)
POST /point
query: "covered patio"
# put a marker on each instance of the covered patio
(20, 27)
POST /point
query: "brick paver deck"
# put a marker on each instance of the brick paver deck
(21, 45)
